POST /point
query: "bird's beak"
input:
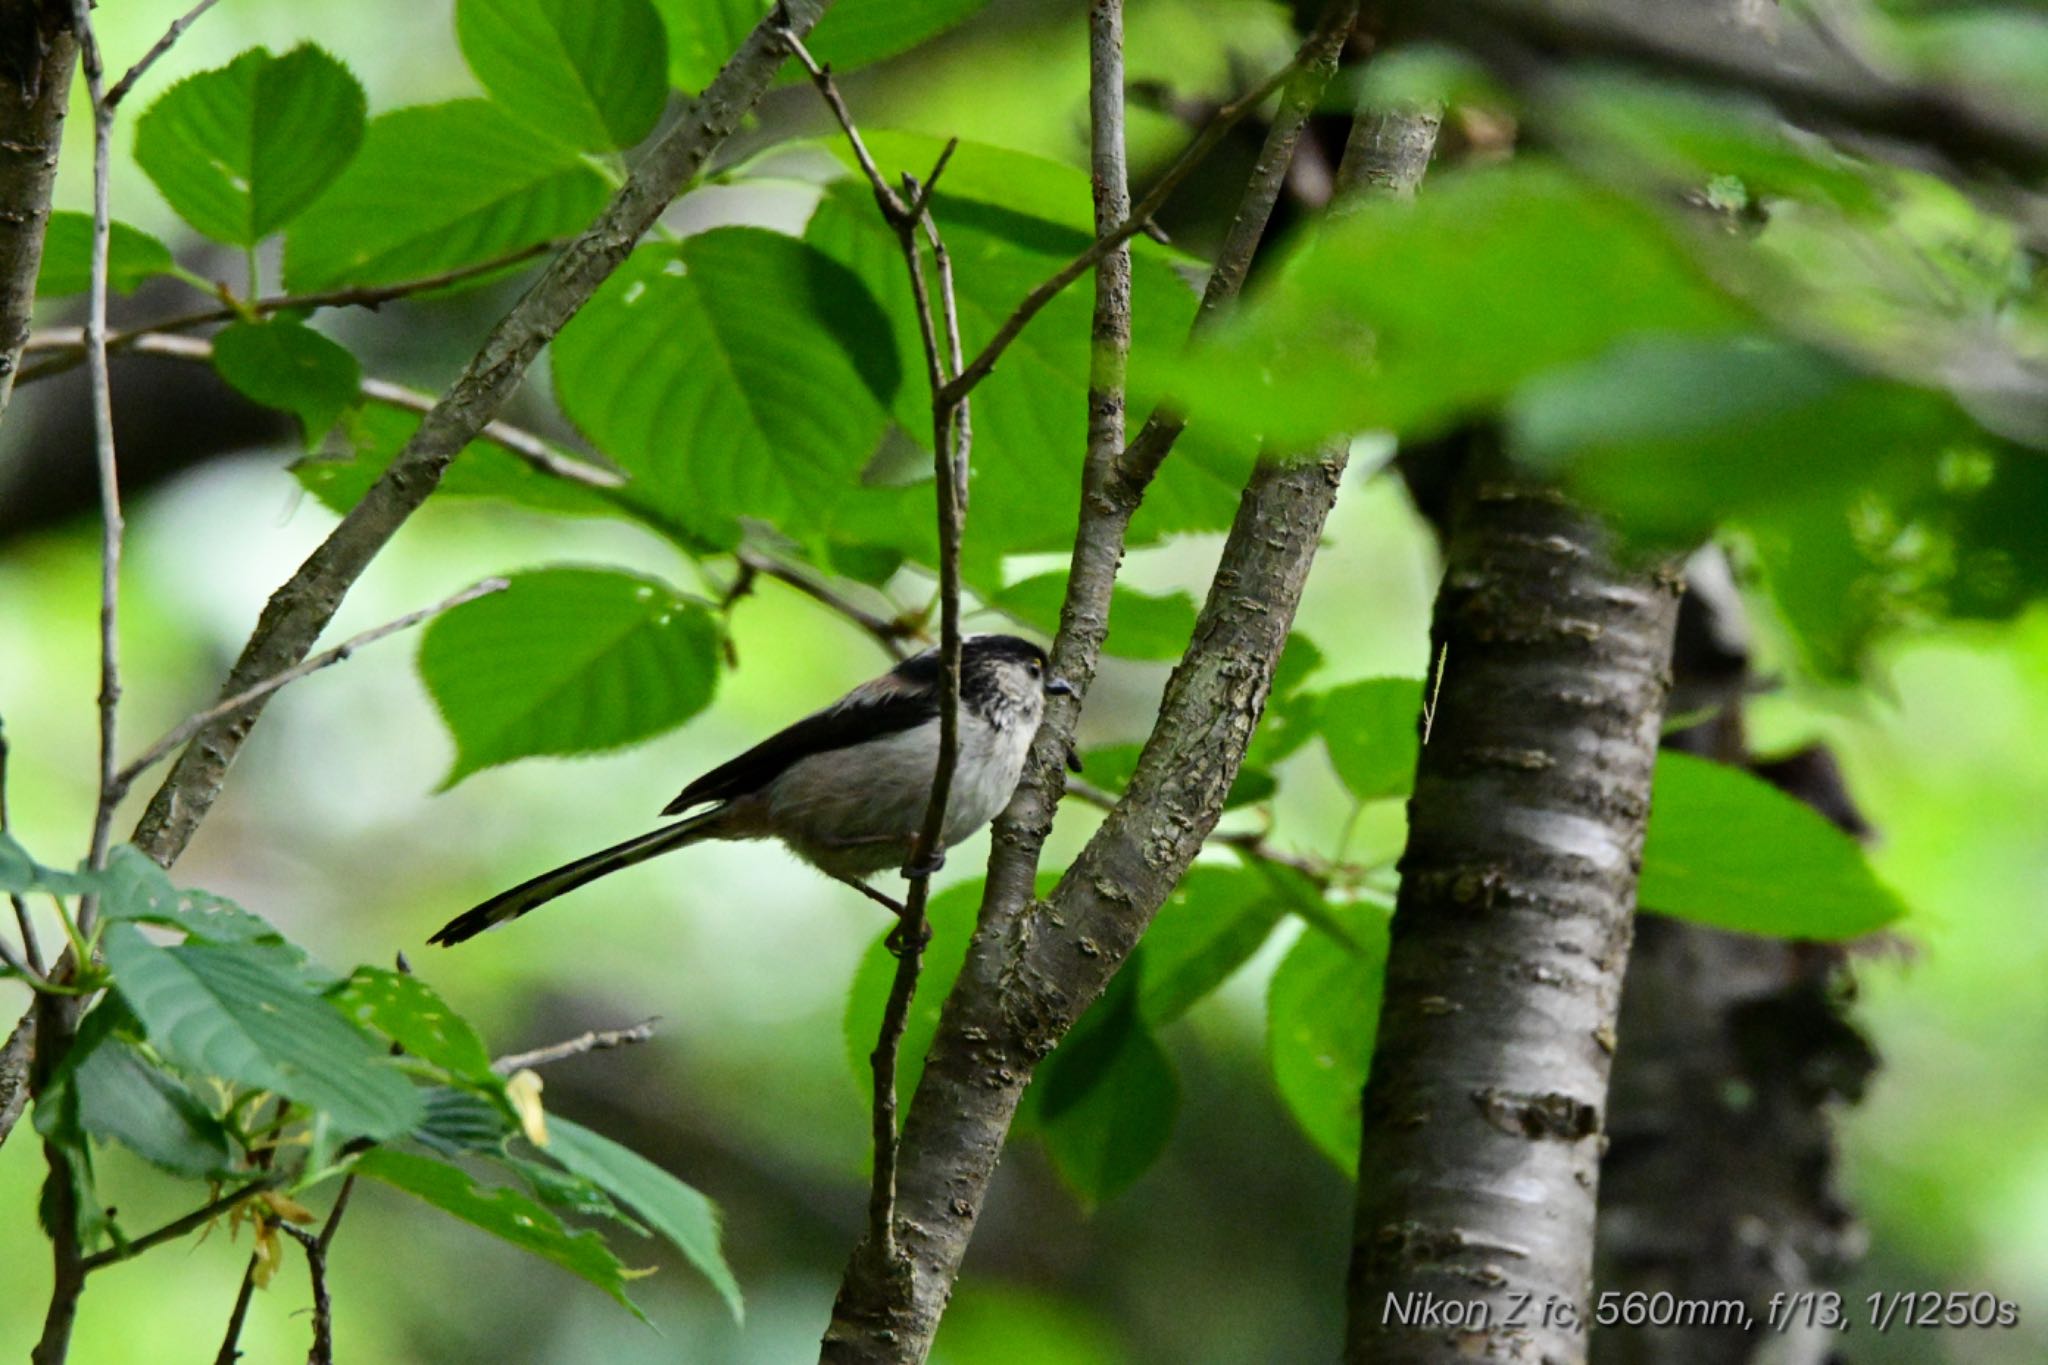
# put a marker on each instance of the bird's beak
(1058, 686)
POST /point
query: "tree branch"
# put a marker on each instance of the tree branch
(300, 609)
(1485, 1107)
(31, 949)
(193, 724)
(596, 1040)
(69, 351)
(878, 1260)
(148, 59)
(315, 1246)
(1155, 198)
(178, 1227)
(37, 54)
(1800, 72)
(230, 1350)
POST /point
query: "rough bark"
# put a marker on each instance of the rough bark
(1718, 1184)
(298, 611)
(1028, 979)
(37, 55)
(950, 1150)
(1484, 1110)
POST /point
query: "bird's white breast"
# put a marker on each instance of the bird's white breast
(875, 793)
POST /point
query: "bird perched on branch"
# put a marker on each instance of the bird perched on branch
(846, 788)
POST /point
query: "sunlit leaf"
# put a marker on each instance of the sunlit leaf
(407, 1010)
(282, 363)
(1322, 1012)
(504, 1213)
(567, 661)
(739, 373)
(672, 1208)
(242, 150)
(1393, 318)
(1371, 731)
(593, 75)
(439, 187)
(1728, 849)
(702, 34)
(132, 256)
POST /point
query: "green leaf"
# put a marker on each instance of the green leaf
(282, 363)
(108, 1087)
(588, 74)
(21, 874)
(504, 1213)
(951, 913)
(567, 661)
(1209, 927)
(243, 150)
(134, 888)
(672, 1208)
(1392, 318)
(439, 187)
(132, 256)
(1370, 730)
(1728, 849)
(1030, 414)
(1108, 1100)
(1322, 1012)
(1142, 625)
(460, 1121)
(856, 32)
(224, 1011)
(1669, 435)
(376, 433)
(739, 373)
(406, 1010)
(703, 34)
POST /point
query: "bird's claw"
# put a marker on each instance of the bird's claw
(927, 868)
(899, 941)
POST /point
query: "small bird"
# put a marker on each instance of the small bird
(845, 788)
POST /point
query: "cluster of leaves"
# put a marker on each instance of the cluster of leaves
(223, 1056)
(1837, 360)
(1689, 369)
(1724, 849)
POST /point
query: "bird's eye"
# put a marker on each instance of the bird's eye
(1036, 668)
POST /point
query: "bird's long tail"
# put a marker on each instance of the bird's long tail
(510, 905)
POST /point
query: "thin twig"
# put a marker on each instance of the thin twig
(103, 447)
(597, 1040)
(315, 1246)
(889, 632)
(178, 26)
(57, 1016)
(31, 950)
(198, 721)
(70, 352)
(230, 1351)
(1205, 142)
(178, 1227)
(939, 329)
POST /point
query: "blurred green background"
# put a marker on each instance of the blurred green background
(1231, 1249)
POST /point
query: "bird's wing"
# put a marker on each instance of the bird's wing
(898, 700)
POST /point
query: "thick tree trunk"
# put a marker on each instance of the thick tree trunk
(37, 54)
(1718, 1185)
(1485, 1109)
